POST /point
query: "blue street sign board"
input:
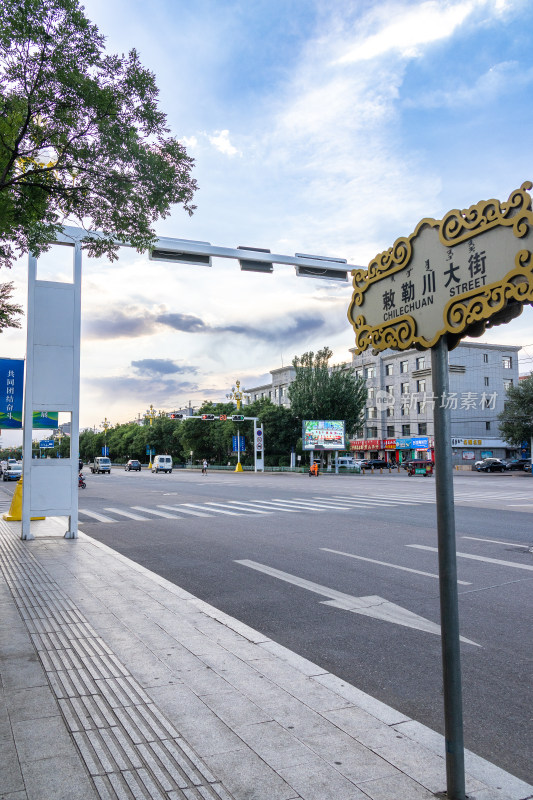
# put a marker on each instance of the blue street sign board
(11, 382)
(241, 444)
(46, 443)
(105, 451)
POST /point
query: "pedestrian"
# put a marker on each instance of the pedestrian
(204, 467)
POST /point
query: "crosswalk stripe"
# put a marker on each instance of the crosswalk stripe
(157, 513)
(249, 507)
(312, 503)
(96, 515)
(298, 506)
(266, 504)
(128, 514)
(218, 510)
(186, 511)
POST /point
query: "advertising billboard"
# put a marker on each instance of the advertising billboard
(12, 382)
(323, 434)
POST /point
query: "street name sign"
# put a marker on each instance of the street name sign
(46, 443)
(452, 277)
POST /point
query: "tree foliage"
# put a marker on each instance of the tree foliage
(516, 420)
(323, 392)
(81, 136)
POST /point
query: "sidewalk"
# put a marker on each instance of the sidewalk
(118, 685)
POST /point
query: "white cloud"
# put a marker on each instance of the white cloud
(406, 28)
(221, 142)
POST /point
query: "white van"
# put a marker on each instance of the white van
(348, 462)
(162, 464)
(101, 464)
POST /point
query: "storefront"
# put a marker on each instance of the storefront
(466, 452)
(366, 448)
(416, 447)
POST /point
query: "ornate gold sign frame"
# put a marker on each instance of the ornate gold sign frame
(469, 313)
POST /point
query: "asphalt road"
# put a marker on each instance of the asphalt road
(293, 562)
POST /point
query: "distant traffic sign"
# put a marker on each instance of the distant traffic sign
(46, 443)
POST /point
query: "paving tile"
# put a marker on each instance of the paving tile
(10, 774)
(60, 778)
(31, 703)
(247, 777)
(19, 672)
(42, 738)
(399, 787)
(234, 709)
(416, 761)
(319, 781)
(301, 686)
(275, 745)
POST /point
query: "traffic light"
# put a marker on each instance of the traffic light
(208, 416)
(223, 418)
(238, 417)
(177, 416)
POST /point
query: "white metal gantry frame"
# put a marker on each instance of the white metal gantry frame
(50, 486)
(259, 437)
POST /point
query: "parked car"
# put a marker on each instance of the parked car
(162, 464)
(102, 464)
(518, 464)
(133, 465)
(375, 463)
(12, 472)
(527, 467)
(492, 465)
(348, 463)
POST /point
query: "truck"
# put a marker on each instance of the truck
(101, 464)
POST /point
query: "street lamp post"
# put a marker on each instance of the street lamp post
(150, 414)
(105, 425)
(237, 395)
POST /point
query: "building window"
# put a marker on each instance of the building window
(389, 369)
(372, 433)
(270, 395)
(486, 381)
(487, 426)
(358, 373)
(390, 431)
(420, 362)
(419, 407)
(389, 389)
(404, 366)
(405, 388)
(507, 362)
(507, 383)
(406, 430)
(371, 413)
(370, 393)
(370, 372)
(422, 428)
(421, 386)
(485, 358)
(390, 412)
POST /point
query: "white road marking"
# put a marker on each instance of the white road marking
(494, 541)
(96, 515)
(284, 504)
(393, 566)
(375, 501)
(312, 505)
(240, 507)
(218, 510)
(157, 513)
(187, 511)
(128, 514)
(477, 558)
(390, 497)
(371, 606)
(266, 504)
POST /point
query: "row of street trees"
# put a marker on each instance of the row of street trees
(317, 392)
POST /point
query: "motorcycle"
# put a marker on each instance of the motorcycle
(81, 482)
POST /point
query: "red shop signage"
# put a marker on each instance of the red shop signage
(389, 444)
(365, 444)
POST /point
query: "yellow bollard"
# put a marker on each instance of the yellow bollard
(15, 509)
(239, 468)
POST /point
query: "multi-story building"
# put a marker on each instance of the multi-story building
(399, 409)
(398, 418)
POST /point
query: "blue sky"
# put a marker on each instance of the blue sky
(317, 127)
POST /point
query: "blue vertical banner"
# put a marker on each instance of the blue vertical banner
(241, 444)
(105, 450)
(11, 389)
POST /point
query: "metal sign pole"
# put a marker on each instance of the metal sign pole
(449, 609)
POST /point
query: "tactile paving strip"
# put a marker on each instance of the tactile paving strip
(130, 749)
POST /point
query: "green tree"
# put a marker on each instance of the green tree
(516, 420)
(323, 392)
(81, 136)
(281, 427)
